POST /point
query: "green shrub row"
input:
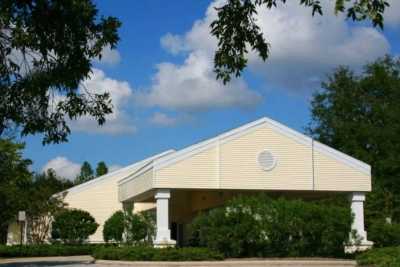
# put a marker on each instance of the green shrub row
(380, 257)
(259, 226)
(45, 250)
(142, 253)
(384, 234)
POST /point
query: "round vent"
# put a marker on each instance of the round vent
(266, 160)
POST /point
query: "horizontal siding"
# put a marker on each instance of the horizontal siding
(239, 168)
(136, 186)
(197, 171)
(101, 201)
(333, 175)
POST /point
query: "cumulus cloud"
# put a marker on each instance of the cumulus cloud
(120, 92)
(192, 85)
(303, 50)
(392, 15)
(114, 167)
(109, 56)
(162, 119)
(63, 167)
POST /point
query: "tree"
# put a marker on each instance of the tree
(15, 179)
(101, 169)
(46, 49)
(73, 226)
(86, 173)
(237, 31)
(44, 205)
(360, 115)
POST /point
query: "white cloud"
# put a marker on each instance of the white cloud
(114, 167)
(63, 167)
(120, 92)
(162, 119)
(303, 50)
(392, 14)
(109, 56)
(192, 85)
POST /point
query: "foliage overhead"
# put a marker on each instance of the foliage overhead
(73, 226)
(46, 51)
(360, 115)
(237, 31)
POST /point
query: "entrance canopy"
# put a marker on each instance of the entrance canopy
(262, 155)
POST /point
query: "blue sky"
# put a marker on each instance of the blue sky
(164, 92)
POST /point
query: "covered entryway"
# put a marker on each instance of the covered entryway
(262, 156)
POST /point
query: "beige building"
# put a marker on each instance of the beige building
(263, 155)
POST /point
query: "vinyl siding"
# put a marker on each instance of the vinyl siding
(334, 175)
(198, 171)
(239, 168)
(100, 200)
(136, 186)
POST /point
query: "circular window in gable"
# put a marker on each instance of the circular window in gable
(266, 160)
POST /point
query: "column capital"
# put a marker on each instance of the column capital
(162, 193)
(357, 197)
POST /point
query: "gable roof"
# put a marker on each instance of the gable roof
(130, 169)
(237, 132)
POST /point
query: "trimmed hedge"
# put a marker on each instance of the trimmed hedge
(380, 257)
(259, 226)
(46, 250)
(141, 253)
(113, 229)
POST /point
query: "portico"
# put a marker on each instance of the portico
(262, 156)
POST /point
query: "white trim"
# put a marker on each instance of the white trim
(79, 188)
(235, 133)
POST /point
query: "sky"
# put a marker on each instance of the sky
(164, 91)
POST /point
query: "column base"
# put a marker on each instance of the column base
(358, 247)
(164, 243)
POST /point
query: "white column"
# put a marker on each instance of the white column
(357, 208)
(163, 234)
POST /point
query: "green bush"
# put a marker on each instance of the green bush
(45, 250)
(142, 253)
(380, 257)
(73, 226)
(113, 229)
(384, 234)
(258, 226)
(139, 228)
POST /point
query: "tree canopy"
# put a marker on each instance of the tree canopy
(86, 173)
(237, 31)
(101, 169)
(360, 115)
(46, 50)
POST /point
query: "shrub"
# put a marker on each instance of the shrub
(384, 234)
(258, 226)
(136, 228)
(380, 257)
(73, 226)
(45, 250)
(141, 253)
(113, 229)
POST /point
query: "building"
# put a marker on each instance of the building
(263, 155)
